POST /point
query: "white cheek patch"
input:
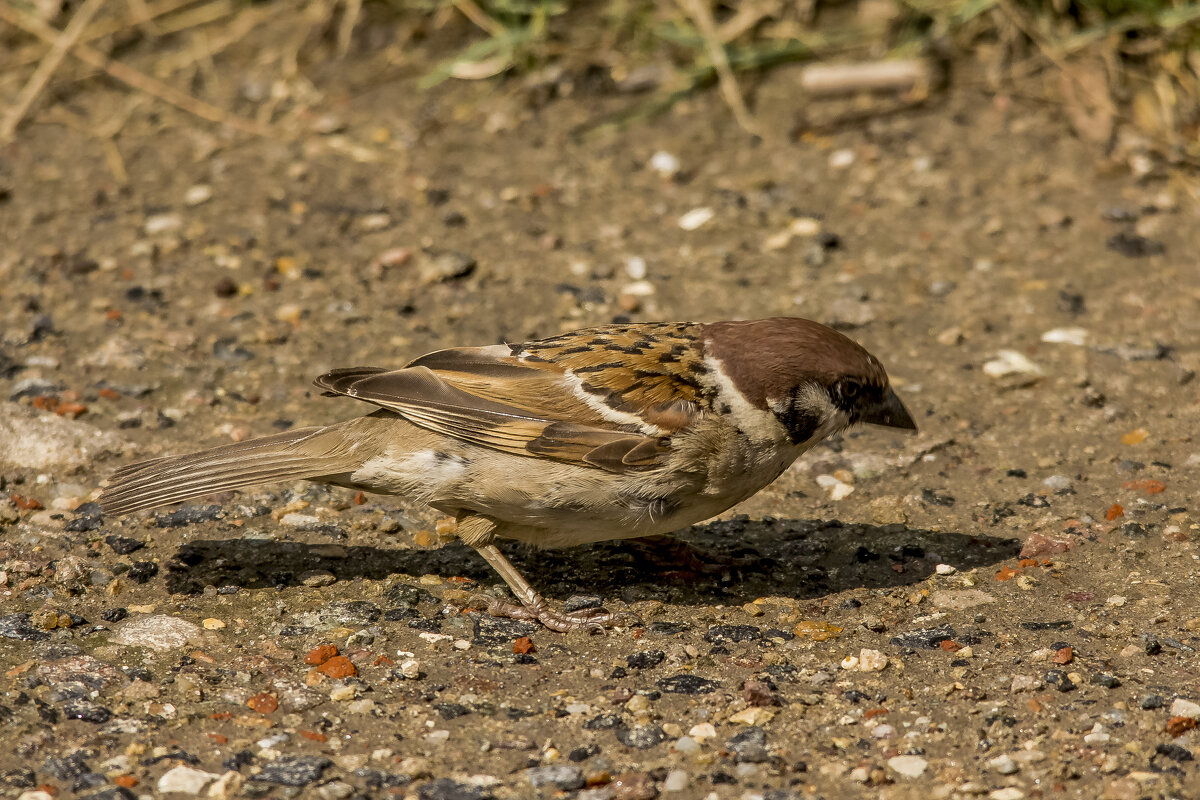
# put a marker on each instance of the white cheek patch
(759, 424)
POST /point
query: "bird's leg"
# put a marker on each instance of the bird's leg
(478, 532)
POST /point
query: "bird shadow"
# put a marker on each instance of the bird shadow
(801, 559)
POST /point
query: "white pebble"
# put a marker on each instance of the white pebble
(1057, 483)
(1185, 708)
(1010, 362)
(184, 780)
(702, 731)
(871, 660)
(840, 159)
(1097, 736)
(664, 163)
(638, 289)
(695, 218)
(686, 745)
(1003, 764)
(635, 267)
(198, 195)
(1116, 600)
(410, 668)
(907, 766)
(1007, 793)
(294, 520)
(162, 223)
(677, 780)
(945, 569)
(884, 731)
(1076, 336)
(850, 662)
(838, 489)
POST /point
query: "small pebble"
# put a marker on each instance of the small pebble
(696, 218)
(665, 164)
(1003, 764)
(1010, 362)
(907, 766)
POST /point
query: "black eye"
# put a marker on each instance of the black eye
(848, 388)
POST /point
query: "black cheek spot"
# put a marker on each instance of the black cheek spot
(801, 424)
(725, 408)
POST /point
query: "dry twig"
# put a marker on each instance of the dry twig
(131, 77)
(701, 15)
(60, 43)
(350, 11)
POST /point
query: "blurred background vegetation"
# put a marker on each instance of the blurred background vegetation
(1121, 70)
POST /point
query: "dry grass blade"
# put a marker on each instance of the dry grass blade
(106, 27)
(60, 43)
(701, 16)
(346, 30)
(131, 77)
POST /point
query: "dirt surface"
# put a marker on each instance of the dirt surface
(1038, 311)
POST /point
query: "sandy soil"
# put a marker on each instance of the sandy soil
(1003, 606)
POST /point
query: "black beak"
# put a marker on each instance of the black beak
(890, 412)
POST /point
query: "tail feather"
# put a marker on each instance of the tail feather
(300, 453)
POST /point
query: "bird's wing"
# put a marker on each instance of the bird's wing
(603, 397)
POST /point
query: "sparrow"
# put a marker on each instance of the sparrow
(612, 432)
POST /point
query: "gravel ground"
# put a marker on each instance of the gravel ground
(1002, 607)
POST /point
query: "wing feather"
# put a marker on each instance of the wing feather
(569, 398)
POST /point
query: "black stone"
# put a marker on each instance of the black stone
(378, 779)
(1152, 701)
(491, 631)
(452, 710)
(67, 768)
(294, 630)
(579, 602)
(242, 758)
(399, 593)
(934, 499)
(749, 746)
(1131, 245)
(447, 789)
(293, 770)
(925, 638)
(687, 684)
(110, 793)
(668, 628)
(1058, 679)
(1106, 680)
(88, 517)
(123, 545)
(351, 612)
(732, 633)
(645, 660)
(87, 711)
(640, 737)
(583, 753)
(1047, 626)
(1174, 752)
(602, 722)
(19, 626)
(88, 780)
(188, 515)
(142, 571)
(1034, 501)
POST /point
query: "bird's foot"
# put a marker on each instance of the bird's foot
(595, 620)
